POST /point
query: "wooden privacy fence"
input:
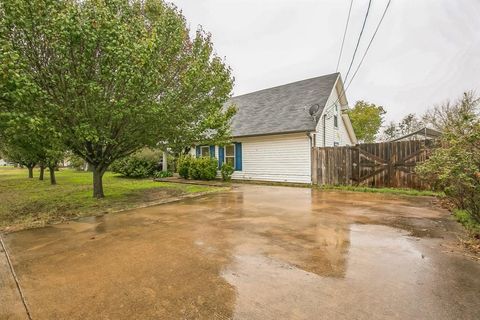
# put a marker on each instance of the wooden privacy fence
(386, 164)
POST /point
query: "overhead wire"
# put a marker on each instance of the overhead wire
(344, 34)
(359, 39)
(363, 57)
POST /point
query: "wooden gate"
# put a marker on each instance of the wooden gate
(386, 164)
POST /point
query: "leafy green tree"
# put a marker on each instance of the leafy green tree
(454, 166)
(30, 141)
(113, 76)
(366, 118)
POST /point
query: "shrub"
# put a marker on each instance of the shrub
(454, 166)
(227, 171)
(140, 165)
(183, 166)
(204, 168)
(162, 174)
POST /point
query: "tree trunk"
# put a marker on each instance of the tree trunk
(53, 180)
(98, 172)
(42, 171)
(30, 172)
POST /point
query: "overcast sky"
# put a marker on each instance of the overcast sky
(425, 52)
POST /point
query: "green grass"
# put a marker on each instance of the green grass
(467, 221)
(31, 203)
(394, 191)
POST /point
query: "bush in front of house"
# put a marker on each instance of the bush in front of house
(204, 168)
(183, 166)
(227, 171)
(142, 164)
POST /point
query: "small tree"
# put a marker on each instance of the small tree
(452, 114)
(454, 166)
(113, 76)
(366, 119)
(29, 141)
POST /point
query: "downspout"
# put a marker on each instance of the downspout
(324, 129)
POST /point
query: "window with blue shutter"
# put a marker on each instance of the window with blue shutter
(238, 156)
(197, 151)
(221, 155)
(212, 151)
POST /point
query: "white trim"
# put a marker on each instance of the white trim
(208, 151)
(225, 154)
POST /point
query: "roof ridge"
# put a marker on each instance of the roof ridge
(286, 84)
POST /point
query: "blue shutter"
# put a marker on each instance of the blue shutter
(221, 155)
(212, 151)
(238, 156)
(197, 151)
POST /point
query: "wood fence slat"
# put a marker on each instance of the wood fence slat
(383, 164)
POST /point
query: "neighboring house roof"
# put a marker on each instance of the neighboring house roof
(423, 133)
(281, 109)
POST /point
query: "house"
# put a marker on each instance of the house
(275, 129)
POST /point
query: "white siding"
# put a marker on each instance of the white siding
(332, 134)
(282, 158)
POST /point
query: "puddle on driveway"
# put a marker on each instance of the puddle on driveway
(256, 252)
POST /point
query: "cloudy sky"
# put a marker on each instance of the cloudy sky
(426, 51)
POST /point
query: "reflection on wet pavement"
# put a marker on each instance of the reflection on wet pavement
(256, 252)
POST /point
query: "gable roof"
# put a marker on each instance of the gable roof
(281, 109)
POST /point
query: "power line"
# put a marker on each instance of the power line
(370, 43)
(359, 39)
(363, 57)
(344, 34)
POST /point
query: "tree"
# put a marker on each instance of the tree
(30, 141)
(454, 166)
(449, 115)
(410, 123)
(366, 119)
(113, 76)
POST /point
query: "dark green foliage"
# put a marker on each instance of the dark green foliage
(204, 168)
(183, 165)
(140, 165)
(227, 171)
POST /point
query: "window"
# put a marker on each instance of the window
(335, 121)
(205, 151)
(230, 155)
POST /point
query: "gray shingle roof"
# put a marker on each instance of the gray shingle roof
(281, 109)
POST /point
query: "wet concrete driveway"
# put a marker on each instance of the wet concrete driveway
(256, 252)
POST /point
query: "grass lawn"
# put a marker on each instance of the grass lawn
(394, 191)
(26, 203)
